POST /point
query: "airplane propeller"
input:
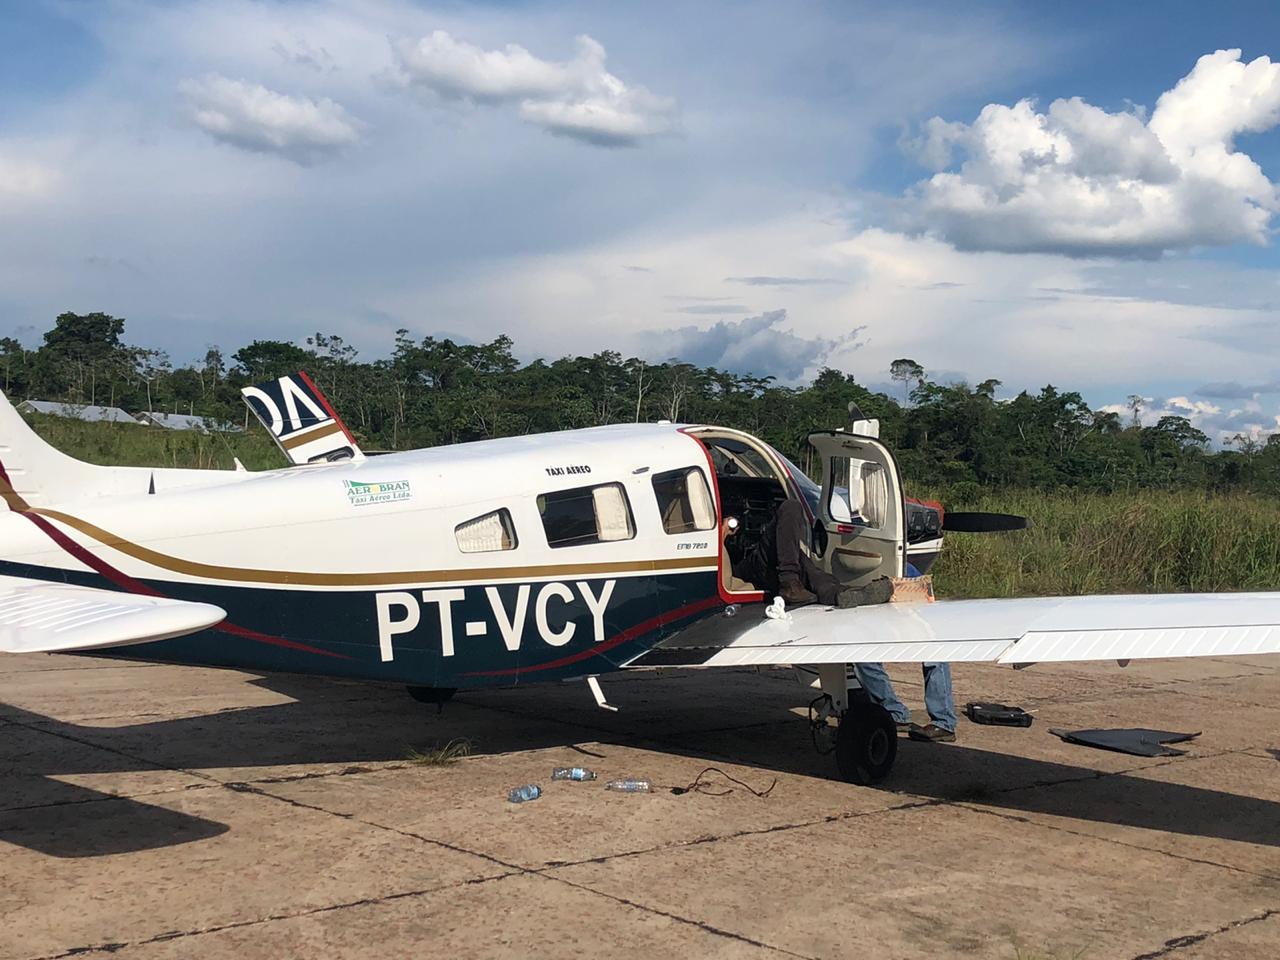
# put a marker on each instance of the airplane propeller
(981, 522)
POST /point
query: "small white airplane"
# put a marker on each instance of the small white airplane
(536, 558)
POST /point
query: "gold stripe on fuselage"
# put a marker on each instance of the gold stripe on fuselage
(12, 498)
(211, 571)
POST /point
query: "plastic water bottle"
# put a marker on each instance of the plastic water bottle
(530, 791)
(637, 785)
(572, 773)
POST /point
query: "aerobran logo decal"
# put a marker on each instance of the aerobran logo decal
(362, 494)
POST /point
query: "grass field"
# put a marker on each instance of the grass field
(1142, 542)
(128, 444)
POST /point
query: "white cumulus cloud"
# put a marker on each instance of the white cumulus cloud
(252, 117)
(577, 98)
(1222, 426)
(1079, 180)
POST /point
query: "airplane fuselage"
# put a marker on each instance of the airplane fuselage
(487, 563)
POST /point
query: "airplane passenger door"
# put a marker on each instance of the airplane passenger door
(861, 509)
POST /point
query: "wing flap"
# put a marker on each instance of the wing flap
(37, 616)
(1223, 641)
(918, 652)
(1030, 630)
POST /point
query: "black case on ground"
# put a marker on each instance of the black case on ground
(997, 714)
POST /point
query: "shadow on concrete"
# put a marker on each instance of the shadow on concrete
(67, 824)
(738, 717)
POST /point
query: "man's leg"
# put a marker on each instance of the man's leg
(790, 531)
(875, 681)
(937, 695)
(938, 701)
(821, 583)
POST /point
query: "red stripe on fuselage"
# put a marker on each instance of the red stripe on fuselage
(129, 584)
(120, 579)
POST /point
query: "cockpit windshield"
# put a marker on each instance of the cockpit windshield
(811, 492)
(733, 457)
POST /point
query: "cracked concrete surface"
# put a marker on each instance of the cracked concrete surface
(153, 811)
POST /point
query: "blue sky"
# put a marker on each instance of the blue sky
(1030, 192)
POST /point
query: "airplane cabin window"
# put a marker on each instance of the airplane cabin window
(859, 492)
(493, 531)
(875, 495)
(584, 515)
(845, 499)
(684, 500)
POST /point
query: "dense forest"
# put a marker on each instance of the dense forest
(956, 437)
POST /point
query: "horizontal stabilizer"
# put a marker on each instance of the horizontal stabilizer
(37, 616)
(1015, 631)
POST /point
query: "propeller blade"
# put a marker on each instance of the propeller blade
(978, 522)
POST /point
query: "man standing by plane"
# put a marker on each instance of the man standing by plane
(938, 699)
(941, 727)
(779, 564)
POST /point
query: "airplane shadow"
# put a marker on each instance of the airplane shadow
(65, 827)
(745, 719)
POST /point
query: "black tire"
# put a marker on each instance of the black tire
(432, 695)
(866, 744)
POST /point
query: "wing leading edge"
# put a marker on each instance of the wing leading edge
(1031, 630)
(41, 617)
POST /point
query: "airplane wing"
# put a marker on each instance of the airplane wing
(1014, 631)
(41, 617)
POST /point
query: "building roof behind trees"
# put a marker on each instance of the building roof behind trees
(76, 411)
(184, 421)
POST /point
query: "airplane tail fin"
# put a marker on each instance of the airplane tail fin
(33, 473)
(301, 420)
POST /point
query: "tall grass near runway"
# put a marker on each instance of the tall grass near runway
(1146, 542)
(130, 444)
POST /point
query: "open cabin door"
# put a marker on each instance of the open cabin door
(861, 509)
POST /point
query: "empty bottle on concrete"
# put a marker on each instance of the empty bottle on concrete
(530, 791)
(572, 773)
(635, 785)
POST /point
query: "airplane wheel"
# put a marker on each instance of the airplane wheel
(435, 695)
(866, 744)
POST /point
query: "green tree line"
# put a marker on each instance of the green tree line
(957, 436)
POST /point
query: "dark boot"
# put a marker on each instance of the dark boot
(931, 734)
(794, 593)
(877, 591)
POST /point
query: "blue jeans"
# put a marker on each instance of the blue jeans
(937, 693)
